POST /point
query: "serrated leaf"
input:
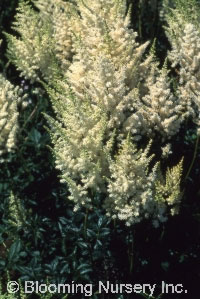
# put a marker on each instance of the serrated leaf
(82, 245)
(100, 221)
(2, 263)
(63, 220)
(83, 266)
(91, 233)
(14, 251)
(35, 136)
(104, 232)
(85, 271)
(97, 244)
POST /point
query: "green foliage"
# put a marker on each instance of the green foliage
(189, 10)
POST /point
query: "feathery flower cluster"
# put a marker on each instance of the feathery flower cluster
(44, 42)
(161, 109)
(136, 193)
(104, 31)
(130, 186)
(9, 97)
(106, 96)
(78, 145)
(186, 53)
(168, 193)
(62, 16)
(183, 32)
(16, 213)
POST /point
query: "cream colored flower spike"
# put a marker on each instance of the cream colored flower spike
(44, 48)
(8, 115)
(103, 106)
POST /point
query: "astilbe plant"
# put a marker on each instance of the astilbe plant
(8, 115)
(16, 212)
(161, 110)
(44, 39)
(9, 98)
(62, 16)
(183, 32)
(102, 105)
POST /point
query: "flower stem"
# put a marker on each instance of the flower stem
(193, 159)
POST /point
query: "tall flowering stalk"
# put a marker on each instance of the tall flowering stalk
(103, 108)
(9, 98)
(183, 32)
(8, 115)
(44, 43)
